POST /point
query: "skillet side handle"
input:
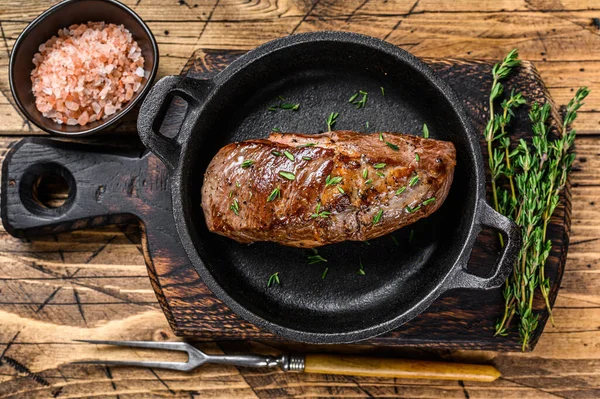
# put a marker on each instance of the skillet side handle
(154, 109)
(510, 252)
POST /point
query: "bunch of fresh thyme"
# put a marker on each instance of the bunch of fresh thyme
(535, 174)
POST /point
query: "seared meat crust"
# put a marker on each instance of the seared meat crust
(384, 185)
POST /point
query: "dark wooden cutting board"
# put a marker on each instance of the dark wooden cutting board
(114, 185)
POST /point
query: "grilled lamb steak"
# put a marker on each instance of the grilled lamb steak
(312, 190)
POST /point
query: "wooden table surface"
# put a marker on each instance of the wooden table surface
(93, 284)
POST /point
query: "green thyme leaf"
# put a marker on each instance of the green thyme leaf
(361, 271)
(293, 107)
(392, 146)
(289, 155)
(400, 190)
(353, 97)
(341, 190)
(382, 91)
(417, 157)
(380, 136)
(307, 158)
(235, 207)
(287, 175)
(359, 103)
(379, 165)
(316, 258)
(413, 181)
(273, 279)
(412, 210)
(276, 193)
(247, 163)
(380, 174)
(429, 201)
(329, 181)
(276, 129)
(369, 182)
(365, 173)
(331, 120)
(318, 213)
(308, 145)
(276, 153)
(377, 217)
(425, 131)
(324, 273)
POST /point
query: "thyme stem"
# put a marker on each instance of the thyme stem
(499, 72)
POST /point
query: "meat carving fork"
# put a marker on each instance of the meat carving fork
(310, 363)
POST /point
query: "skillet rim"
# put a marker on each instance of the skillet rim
(185, 225)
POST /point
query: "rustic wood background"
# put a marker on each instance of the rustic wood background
(94, 283)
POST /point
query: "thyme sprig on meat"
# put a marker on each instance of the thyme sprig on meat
(330, 181)
(318, 213)
(331, 120)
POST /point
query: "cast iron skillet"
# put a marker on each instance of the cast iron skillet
(320, 71)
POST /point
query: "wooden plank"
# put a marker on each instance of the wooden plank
(233, 10)
(544, 36)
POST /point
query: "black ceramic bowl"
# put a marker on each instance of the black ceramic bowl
(321, 71)
(47, 25)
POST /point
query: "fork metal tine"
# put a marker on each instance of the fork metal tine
(179, 366)
(173, 346)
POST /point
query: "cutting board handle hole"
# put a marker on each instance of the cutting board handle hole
(47, 189)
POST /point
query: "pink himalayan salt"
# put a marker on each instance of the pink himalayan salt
(87, 73)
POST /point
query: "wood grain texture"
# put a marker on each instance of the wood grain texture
(545, 31)
(40, 314)
(398, 368)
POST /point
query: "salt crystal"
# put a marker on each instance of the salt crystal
(86, 73)
(73, 106)
(83, 118)
(109, 109)
(104, 92)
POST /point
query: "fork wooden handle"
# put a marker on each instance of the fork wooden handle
(398, 368)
